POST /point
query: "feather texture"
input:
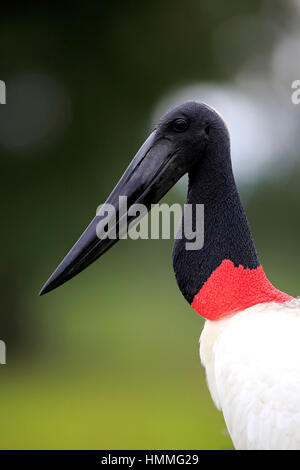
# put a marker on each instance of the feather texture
(252, 362)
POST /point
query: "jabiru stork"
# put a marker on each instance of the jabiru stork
(250, 344)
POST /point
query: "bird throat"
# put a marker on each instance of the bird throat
(224, 276)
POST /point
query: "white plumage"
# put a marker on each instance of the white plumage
(252, 362)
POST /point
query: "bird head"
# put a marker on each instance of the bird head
(177, 143)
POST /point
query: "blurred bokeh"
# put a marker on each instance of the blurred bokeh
(110, 360)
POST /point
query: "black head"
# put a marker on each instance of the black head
(178, 142)
(191, 127)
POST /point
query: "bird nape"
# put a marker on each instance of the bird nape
(223, 281)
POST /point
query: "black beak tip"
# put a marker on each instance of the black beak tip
(47, 287)
(42, 292)
(58, 278)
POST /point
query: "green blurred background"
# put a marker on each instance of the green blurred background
(110, 360)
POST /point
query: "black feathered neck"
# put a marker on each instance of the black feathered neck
(226, 230)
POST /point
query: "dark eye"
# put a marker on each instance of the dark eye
(180, 125)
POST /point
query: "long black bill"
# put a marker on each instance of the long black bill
(152, 172)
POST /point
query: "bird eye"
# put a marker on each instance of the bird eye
(180, 125)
